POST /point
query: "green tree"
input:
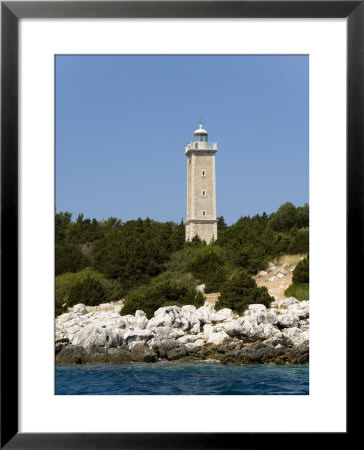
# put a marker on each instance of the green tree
(161, 293)
(208, 267)
(62, 221)
(240, 290)
(301, 273)
(300, 242)
(285, 217)
(69, 258)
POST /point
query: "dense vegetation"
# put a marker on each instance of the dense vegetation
(150, 265)
(240, 290)
(299, 288)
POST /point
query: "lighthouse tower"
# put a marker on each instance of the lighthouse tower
(201, 188)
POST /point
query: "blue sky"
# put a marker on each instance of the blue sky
(122, 123)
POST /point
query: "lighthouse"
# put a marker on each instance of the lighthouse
(201, 187)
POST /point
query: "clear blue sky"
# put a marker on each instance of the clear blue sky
(122, 123)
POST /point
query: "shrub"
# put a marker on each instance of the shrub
(65, 282)
(89, 292)
(208, 267)
(252, 259)
(162, 293)
(241, 290)
(301, 273)
(299, 291)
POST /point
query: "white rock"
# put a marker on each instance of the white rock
(209, 329)
(288, 301)
(298, 311)
(270, 331)
(188, 338)
(273, 278)
(80, 308)
(287, 320)
(206, 314)
(137, 335)
(296, 336)
(217, 338)
(167, 333)
(280, 275)
(272, 317)
(250, 328)
(200, 288)
(262, 273)
(256, 308)
(224, 314)
(195, 345)
(233, 328)
(141, 319)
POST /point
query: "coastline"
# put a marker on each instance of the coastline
(278, 335)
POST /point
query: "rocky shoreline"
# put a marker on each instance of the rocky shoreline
(277, 335)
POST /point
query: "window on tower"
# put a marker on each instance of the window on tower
(203, 213)
(203, 193)
(203, 172)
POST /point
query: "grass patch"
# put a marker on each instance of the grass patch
(300, 291)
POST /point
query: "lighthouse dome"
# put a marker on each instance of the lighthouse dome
(200, 131)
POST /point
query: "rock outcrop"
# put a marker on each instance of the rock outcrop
(278, 335)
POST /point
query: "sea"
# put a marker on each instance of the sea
(207, 377)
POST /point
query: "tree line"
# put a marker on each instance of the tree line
(149, 261)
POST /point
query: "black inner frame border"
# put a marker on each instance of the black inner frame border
(11, 12)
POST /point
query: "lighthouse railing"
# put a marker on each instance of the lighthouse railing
(198, 146)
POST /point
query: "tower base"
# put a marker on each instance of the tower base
(206, 230)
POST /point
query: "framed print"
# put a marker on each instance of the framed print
(91, 79)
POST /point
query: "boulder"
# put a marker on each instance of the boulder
(286, 302)
(209, 329)
(224, 314)
(217, 338)
(141, 320)
(270, 331)
(206, 314)
(299, 311)
(137, 335)
(234, 328)
(256, 308)
(95, 335)
(188, 338)
(262, 273)
(287, 320)
(167, 333)
(141, 352)
(80, 308)
(295, 336)
(250, 328)
(171, 349)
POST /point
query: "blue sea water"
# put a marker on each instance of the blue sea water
(181, 378)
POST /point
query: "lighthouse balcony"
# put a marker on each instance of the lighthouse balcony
(201, 146)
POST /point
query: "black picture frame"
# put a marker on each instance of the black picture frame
(11, 12)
